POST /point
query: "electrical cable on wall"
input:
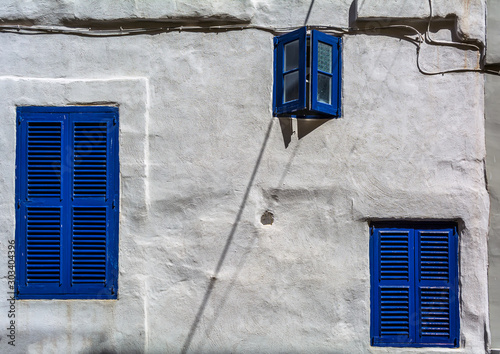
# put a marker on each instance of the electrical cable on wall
(421, 38)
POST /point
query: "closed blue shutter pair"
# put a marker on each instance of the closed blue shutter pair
(67, 202)
(414, 286)
(307, 75)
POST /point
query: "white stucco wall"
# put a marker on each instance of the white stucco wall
(470, 15)
(493, 149)
(492, 130)
(202, 158)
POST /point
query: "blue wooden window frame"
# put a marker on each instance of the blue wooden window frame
(333, 108)
(279, 69)
(307, 105)
(414, 285)
(67, 193)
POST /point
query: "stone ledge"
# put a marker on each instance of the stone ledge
(469, 14)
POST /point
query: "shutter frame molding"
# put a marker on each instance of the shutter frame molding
(89, 250)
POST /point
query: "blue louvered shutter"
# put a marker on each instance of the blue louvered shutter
(414, 286)
(67, 202)
(325, 73)
(39, 201)
(43, 162)
(290, 54)
(437, 289)
(94, 202)
(392, 278)
(43, 246)
(90, 158)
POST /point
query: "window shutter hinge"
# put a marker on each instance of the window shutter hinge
(113, 204)
(114, 121)
(18, 204)
(276, 40)
(19, 120)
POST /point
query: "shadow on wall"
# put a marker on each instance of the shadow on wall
(304, 127)
(213, 279)
(353, 13)
(309, 12)
(286, 130)
(84, 342)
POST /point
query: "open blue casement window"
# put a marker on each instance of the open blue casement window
(307, 75)
(290, 54)
(67, 203)
(414, 285)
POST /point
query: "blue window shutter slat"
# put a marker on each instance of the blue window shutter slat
(90, 159)
(44, 141)
(279, 105)
(394, 255)
(434, 255)
(394, 312)
(89, 245)
(435, 314)
(43, 245)
(334, 43)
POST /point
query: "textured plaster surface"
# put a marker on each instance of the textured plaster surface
(202, 159)
(493, 174)
(91, 325)
(493, 33)
(469, 14)
(492, 112)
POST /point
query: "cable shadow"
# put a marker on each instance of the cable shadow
(353, 14)
(309, 12)
(224, 297)
(213, 279)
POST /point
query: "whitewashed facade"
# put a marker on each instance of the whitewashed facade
(238, 231)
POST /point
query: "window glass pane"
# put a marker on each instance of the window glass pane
(291, 86)
(292, 55)
(324, 88)
(324, 57)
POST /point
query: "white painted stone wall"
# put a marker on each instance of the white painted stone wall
(202, 158)
(492, 130)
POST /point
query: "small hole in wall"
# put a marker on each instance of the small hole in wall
(267, 218)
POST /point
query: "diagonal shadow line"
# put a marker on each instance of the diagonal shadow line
(309, 12)
(208, 293)
(210, 325)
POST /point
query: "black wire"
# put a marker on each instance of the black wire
(26, 30)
